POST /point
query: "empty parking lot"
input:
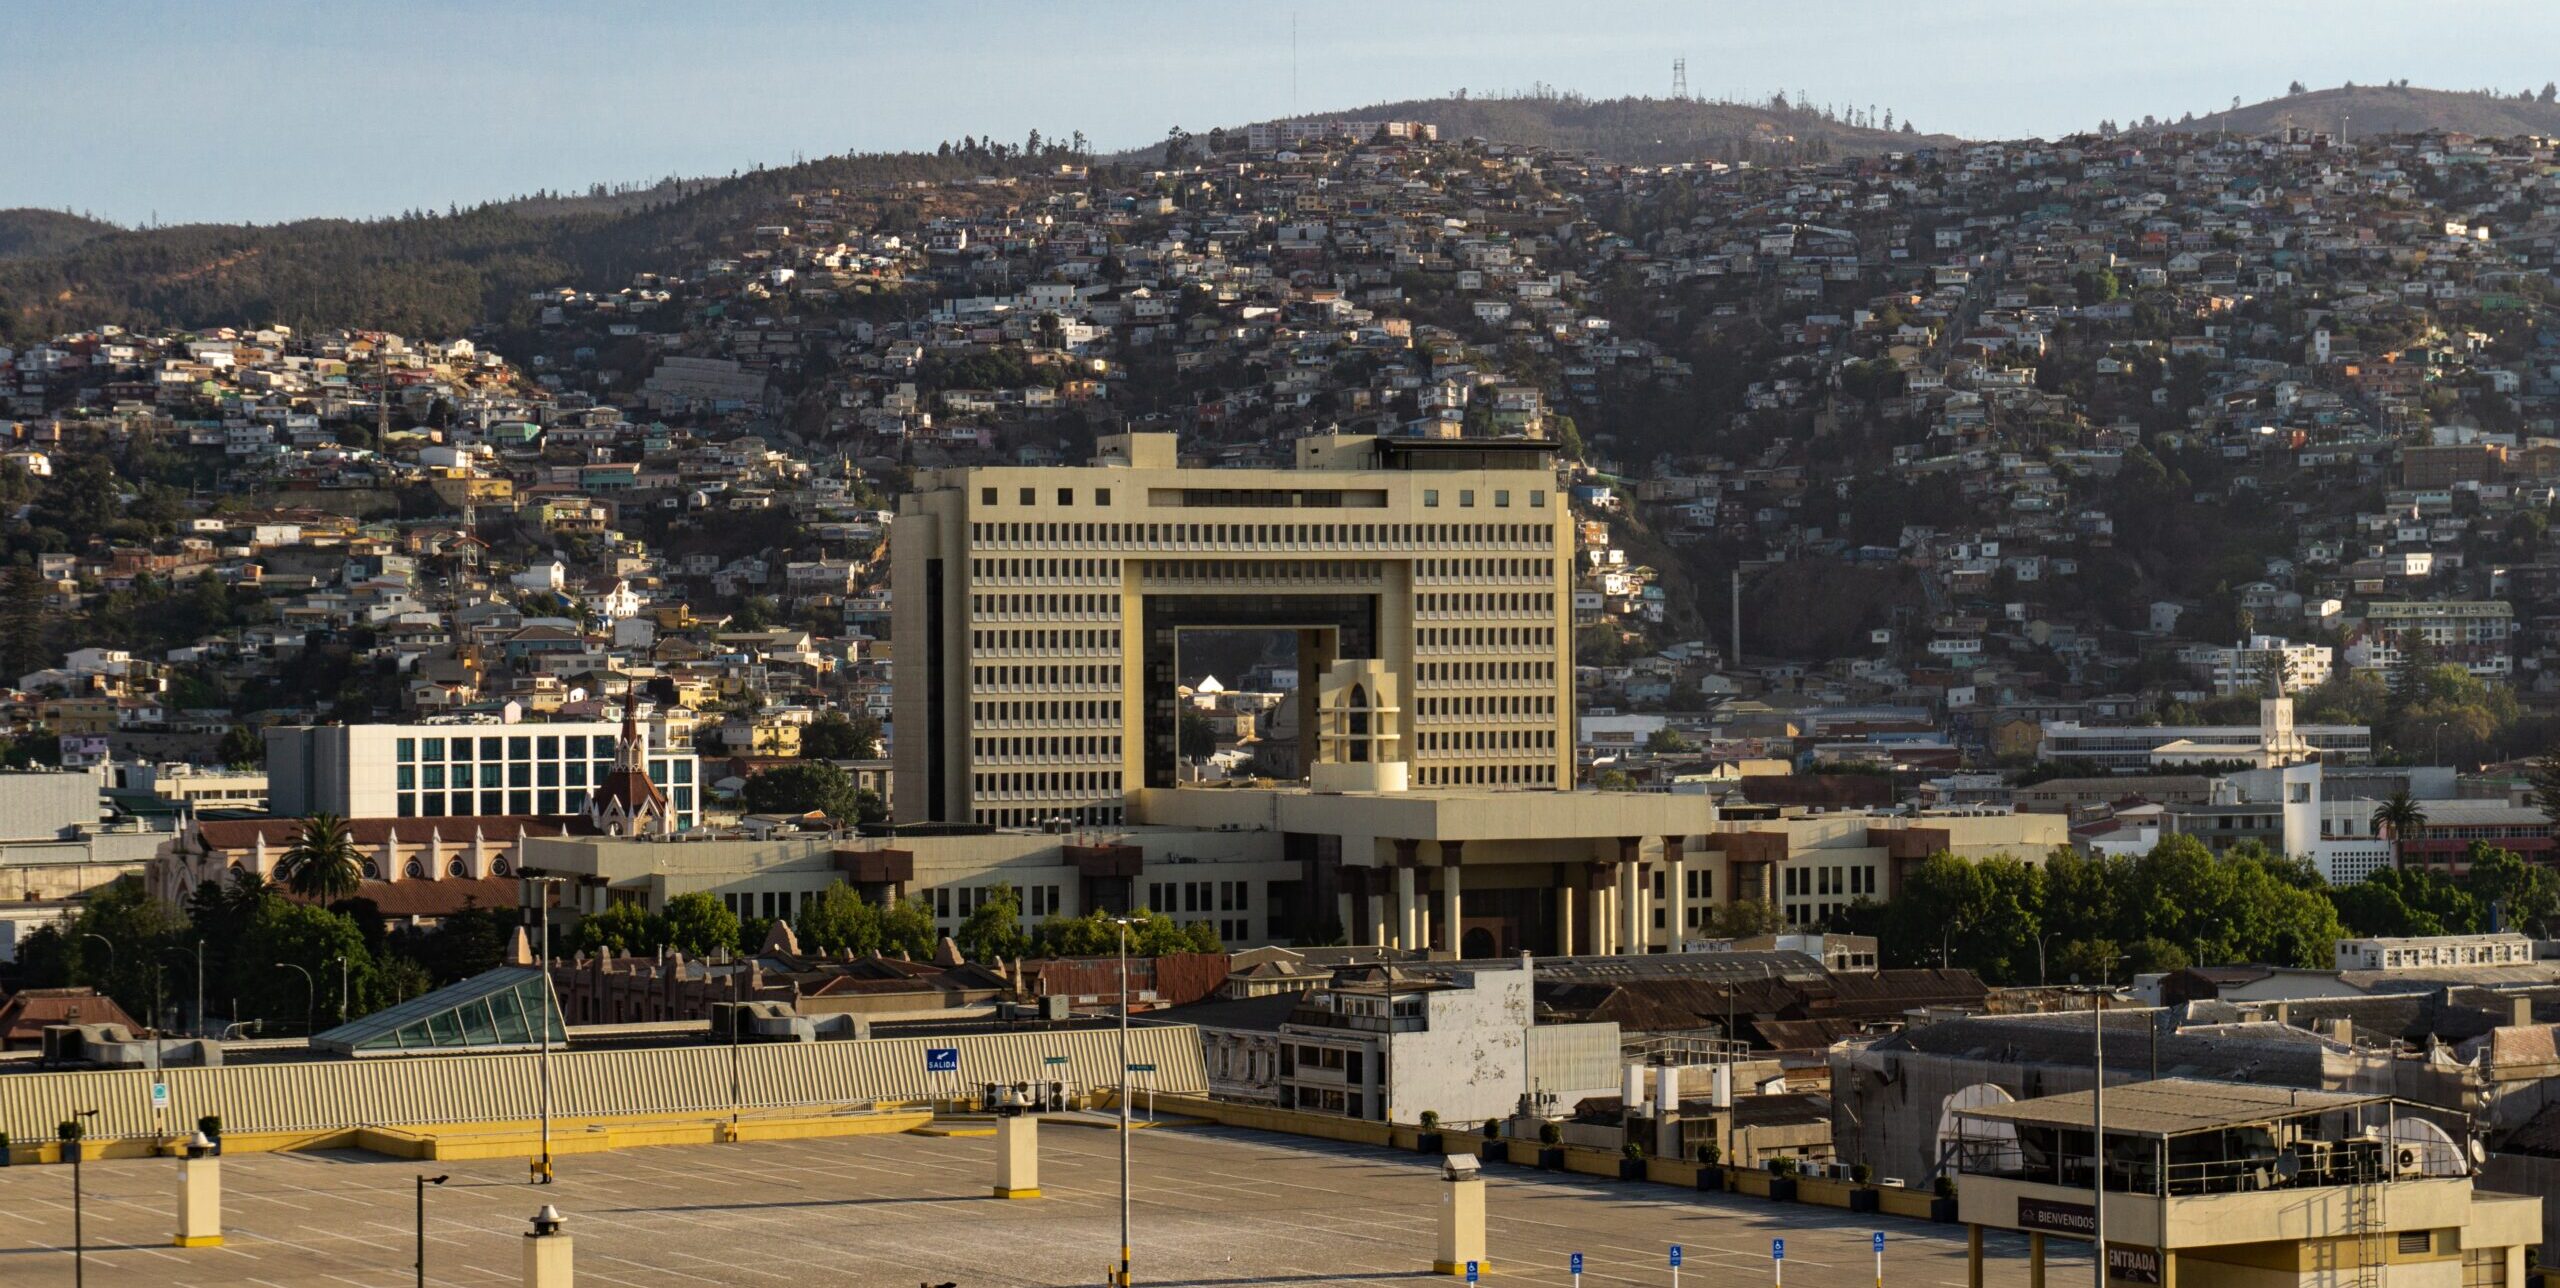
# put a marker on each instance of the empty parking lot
(1212, 1206)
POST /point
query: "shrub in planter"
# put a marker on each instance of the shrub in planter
(1710, 1154)
(1431, 1120)
(1943, 1207)
(1550, 1134)
(1861, 1174)
(211, 1126)
(1631, 1162)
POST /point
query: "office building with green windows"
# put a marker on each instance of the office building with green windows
(463, 768)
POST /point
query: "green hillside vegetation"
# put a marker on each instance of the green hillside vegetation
(421, 273)
(2393, 109)
(26, 232)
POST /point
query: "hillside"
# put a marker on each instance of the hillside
(2388, 109)
(27, 233)
(419, 274)
(1643, 131)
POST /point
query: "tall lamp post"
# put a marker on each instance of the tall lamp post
(542, 957)
(310, 999)
(71, 1131)
(1122, 1280)
(342, 988)
(424, 1181)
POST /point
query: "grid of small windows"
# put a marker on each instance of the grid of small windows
(461, 774)
(1811, 893)
(1486, 671)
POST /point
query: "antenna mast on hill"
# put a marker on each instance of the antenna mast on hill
(1680, 78)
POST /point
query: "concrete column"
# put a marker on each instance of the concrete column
(1679, 911)
(1018, 1157)
(1972, 1255)
(1450, 928)
(549, 1258)
(1462, 1228)
(1380, 915)
(1406, 912)
(2169, 1267)
(1342, 914)
(1564, 919)
(1630, 896)
(2035, 1261)
(1456, 931)
(199, 1199)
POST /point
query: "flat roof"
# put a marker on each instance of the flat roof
(1215, 1206)
(2174, 1107)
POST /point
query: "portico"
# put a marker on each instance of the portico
(1479, 874)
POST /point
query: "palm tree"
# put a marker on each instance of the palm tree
(2401, 817)
(323, 863)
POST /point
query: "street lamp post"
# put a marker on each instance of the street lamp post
(71, 1133)
(310, 998)
(424, 1181)
(342, 988)
(105, 943)
(542, 957)
(1124, 923)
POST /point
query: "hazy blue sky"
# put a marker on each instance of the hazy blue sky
(271, 109)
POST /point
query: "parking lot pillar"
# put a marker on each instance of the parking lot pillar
(1018, 1157)
(199, 1195)
(548, 1253)
(1461, 1216)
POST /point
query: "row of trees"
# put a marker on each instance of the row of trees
(267, 960)
(841, 920)
(2092, 919)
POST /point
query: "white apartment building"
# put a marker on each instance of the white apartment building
(2434, 951)
(2474, 634)
(439, 769)
(2243, 669)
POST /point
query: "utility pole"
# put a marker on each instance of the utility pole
(424, 1181)
(542, 956)
(1123, 923)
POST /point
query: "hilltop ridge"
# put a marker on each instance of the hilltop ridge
(2388, 109)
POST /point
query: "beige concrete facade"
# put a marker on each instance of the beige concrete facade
(1038, 610)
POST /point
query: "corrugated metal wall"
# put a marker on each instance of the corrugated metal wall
(330, 1094)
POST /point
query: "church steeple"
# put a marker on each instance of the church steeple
(626, 803)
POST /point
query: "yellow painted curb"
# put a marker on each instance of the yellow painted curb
(1460, 1267)
(1003, 1193)
(197, 1241)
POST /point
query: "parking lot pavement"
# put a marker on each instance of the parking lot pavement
(1212, 1206)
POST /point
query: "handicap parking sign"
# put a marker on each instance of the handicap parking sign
(1577, 1263)
(1777, 1249)
(1675, 1256)
(1471, 1272)
(1879, 1240)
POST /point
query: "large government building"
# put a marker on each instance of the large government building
(1040, 614)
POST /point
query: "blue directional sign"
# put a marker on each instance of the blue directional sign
(1879, 1240)
(1577, 1263)
(1471, 1272)
(942, 1059)
(1675, 1256)
(1777, 1249)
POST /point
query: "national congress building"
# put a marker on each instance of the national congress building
(1040, 613)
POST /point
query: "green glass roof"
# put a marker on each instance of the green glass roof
(498, 1010)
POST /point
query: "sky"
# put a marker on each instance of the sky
(264, 110)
